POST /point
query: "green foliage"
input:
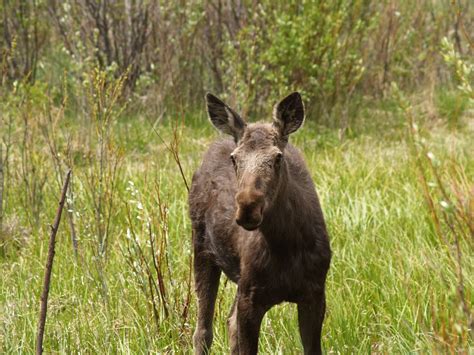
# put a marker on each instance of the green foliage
(314, 47)
(24, 38)
(451, 105)
(463, 69)
(253, 53)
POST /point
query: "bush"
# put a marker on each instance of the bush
(314, 47)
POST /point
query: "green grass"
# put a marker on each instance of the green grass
(451, 106)
(391, 286)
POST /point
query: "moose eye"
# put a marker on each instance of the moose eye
(278, 159)
(232, 158)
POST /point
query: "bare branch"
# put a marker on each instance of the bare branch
(49, 267)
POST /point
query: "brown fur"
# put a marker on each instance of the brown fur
(260, 223)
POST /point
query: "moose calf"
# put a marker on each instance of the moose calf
(256, 216)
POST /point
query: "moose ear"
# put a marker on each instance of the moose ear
(288, 114)
(224, 118)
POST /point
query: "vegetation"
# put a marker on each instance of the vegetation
(114, 92)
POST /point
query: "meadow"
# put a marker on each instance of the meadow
(124, 285)
(114, 92)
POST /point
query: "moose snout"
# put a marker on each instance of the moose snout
(249, 213)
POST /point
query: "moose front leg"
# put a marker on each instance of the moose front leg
(310, 320)
(232, 328)
(249, 318)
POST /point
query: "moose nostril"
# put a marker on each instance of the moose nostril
(248, 198)
(249, 213)
(249, 223)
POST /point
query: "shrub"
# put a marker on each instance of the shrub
(315, 47)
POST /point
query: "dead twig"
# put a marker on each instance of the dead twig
(173, 148)
(49, 267)
(2, 179)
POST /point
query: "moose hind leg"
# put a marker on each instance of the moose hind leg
(206, 275)
(310, 320)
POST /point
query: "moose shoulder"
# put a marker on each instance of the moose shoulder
(256, 216)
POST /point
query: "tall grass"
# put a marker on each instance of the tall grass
(392, 287)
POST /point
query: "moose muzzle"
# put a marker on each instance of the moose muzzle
(250, 204)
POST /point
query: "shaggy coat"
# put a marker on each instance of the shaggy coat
(256, 217)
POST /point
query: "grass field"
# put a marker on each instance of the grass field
(393, 283)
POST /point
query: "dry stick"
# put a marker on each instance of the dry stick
(49, 268)
(159, 273)
(50, 139)
(461, 22)
(173, 148)
(457, 258)
(1, 188)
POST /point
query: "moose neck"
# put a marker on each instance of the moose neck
(280, 226)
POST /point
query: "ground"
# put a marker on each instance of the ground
(392, 286)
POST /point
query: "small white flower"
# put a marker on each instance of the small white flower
(444, 204)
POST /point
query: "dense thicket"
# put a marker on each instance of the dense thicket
(250, 51)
